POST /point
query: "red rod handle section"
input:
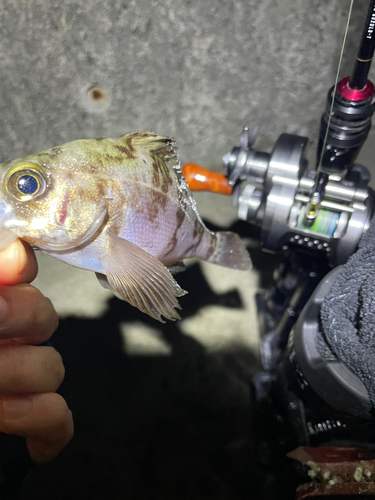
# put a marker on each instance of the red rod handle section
(201, 179)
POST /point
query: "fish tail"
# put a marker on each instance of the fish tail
(230, 252)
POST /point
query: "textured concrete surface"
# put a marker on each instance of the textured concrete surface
(194, 70)
(163, 411)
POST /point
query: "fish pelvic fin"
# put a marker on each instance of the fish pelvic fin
(141, 279)
(230, 252)
(177, 267)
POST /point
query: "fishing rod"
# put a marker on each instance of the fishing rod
(358, 78)
(315, 218)
(347, 120)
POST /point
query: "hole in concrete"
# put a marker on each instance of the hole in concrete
(97, 94)
(94, 98)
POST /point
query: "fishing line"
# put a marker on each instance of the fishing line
(335, 86)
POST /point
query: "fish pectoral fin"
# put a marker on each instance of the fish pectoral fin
(141, 279)
(102, 278)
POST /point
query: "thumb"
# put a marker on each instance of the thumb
(18, 264)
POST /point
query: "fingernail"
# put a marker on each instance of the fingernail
(15, 407)
(15, 253)
(20, 255)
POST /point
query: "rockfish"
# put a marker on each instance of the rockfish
(118, 207)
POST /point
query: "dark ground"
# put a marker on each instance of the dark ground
(151, 427)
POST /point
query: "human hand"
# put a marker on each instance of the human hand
(29, 373)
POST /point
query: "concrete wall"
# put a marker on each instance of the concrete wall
(195, 70)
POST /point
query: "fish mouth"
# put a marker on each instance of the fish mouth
(60, 241)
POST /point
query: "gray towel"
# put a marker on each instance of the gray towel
(348, 314)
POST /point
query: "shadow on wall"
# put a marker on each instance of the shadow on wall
(150, 427)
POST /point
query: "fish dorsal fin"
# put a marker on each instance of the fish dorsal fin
(161, 148)
(151, 141)
(141, 279)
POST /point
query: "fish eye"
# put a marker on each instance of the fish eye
(25, 182)
(28, 184)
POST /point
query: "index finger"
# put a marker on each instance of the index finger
(18, 264)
